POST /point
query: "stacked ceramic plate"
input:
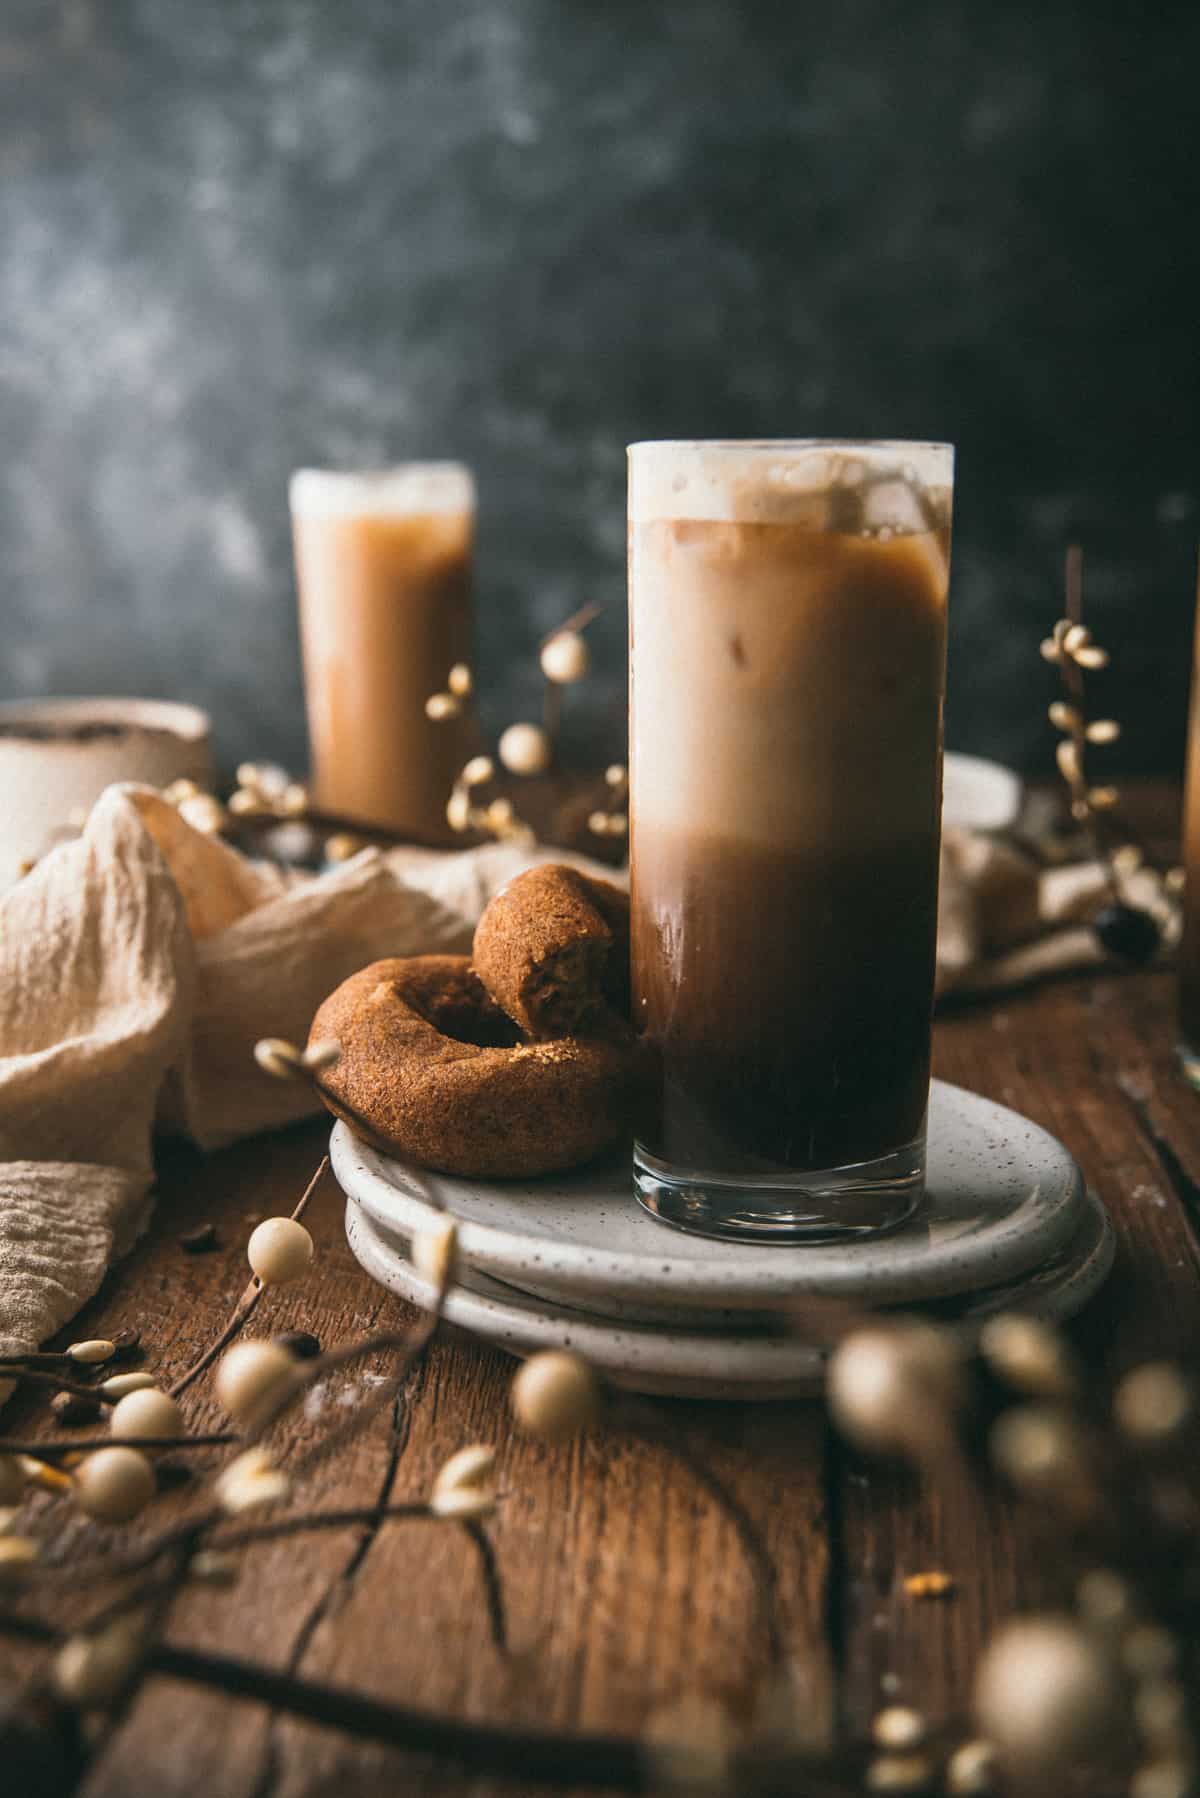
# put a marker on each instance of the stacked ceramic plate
(574, 1262)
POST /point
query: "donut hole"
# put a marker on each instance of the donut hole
(432, 1070)
(468, 1018)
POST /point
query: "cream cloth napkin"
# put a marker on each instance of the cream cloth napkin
(1003, 921)
(138, 967)
(140, 964)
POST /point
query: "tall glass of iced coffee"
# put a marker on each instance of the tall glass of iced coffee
(383, 567)
(787, 669)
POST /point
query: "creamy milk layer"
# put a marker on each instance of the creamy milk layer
(410, 487)
(786, 680)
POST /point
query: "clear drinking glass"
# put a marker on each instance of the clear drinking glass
(787, 669)
(383, 567)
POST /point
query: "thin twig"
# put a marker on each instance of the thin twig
(157, 1602)
(552, 713)
(325, 1520)
(340, 1106)
(75, 1387)
(85, 1572)
(620, 1763)
(46, 1451)
(1099, 833)
(40, 1360)
(146, 1553)
(578, 621)
(242, 1313)
(594, 1760)
(329, 823)
(492, 1586)
(246, 1305)
(414, 1348)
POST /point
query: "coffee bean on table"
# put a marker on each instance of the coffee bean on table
(74, 1408)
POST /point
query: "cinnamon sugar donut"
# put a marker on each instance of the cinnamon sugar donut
(552, 949)
(431, 1067)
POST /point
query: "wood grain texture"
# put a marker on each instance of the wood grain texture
(627, 1586)
(1093, 1061)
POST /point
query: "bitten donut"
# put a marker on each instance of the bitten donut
(432, 1068)
(552, 948)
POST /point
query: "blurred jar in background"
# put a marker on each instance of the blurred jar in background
(383, 569)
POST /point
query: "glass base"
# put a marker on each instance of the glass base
(818, 1205)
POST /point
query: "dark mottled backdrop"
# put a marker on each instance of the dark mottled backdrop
(239, 236)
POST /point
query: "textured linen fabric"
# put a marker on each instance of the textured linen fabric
(138, 967)
(1005, 922)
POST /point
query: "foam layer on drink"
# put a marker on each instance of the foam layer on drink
(890, 489)
(420, 488)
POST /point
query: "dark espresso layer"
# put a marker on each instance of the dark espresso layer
(785, 999)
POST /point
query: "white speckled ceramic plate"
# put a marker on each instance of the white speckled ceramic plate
(1003, 1197)
(678, 1364)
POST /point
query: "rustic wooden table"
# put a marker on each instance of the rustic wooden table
(627, 1588)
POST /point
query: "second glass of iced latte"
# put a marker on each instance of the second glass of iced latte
(787, 669)
(383, 568)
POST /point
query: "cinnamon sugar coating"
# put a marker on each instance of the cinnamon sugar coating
(552, 948)
(431, 1067)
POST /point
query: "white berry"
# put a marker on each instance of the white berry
(203, 813)
(280, 1250)
(277, 1057)
(248, 1374)
(91, 1670)
(893, 1390)
(464, 1487)
(1044, 1693)
(113, 1484)
(118, 1384)
(434, 1253)
(147, 1412)
(440, 706)
(458, 809)
(555, 1395)
(565, 658)
(252, 1480)
(525, 749)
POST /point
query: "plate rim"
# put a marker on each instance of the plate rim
(758, 1365)
(723, 1281)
